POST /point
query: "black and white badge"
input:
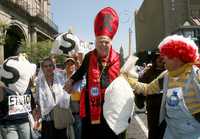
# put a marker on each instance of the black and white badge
(19, 104)
(94, 91)
(174, 96)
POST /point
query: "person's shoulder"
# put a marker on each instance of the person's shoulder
(115, 56)
(162, 75)
(88, 54)
(196, 72)
(115, 52)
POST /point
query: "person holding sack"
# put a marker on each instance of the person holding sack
(16, 100)
(101, 66)
(52, 101)
(180, 105)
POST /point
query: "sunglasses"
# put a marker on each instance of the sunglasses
(48, 66)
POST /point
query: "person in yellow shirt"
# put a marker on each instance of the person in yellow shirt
(181, 88)
(70, 68)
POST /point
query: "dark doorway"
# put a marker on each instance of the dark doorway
(14, 36)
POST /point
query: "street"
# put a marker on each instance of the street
(138, 127)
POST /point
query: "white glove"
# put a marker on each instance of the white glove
(129, 67)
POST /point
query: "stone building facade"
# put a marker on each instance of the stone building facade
(156, 19)
(28, 20)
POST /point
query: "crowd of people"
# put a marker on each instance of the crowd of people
(153, 102)
(68, 103)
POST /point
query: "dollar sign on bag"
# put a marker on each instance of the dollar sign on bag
(72, 42)
(14, 71)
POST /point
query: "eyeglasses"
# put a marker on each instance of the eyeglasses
(48, 66)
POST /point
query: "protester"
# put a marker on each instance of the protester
(153, 102)
(180, 103)
(49, 96)
(16, 99)
(101, 66)
(70, 68)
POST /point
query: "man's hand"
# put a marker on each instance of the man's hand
(129, 68)
(68, 86)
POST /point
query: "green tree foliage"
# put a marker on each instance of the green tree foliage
(36, 51)
(3, 27)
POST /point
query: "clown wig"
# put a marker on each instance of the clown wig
(180, 47)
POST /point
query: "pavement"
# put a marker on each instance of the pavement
(138, 126)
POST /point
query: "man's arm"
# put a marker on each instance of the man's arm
(143, 88)
(78, 75)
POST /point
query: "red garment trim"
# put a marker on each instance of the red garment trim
(95, 92)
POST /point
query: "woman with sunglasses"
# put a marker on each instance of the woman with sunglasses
(50, 93)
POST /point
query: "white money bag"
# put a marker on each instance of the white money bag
(16, 72)
(119, 102)
(66, 43)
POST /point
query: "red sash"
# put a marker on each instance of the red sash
(95, 92)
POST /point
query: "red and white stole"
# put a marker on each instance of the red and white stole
(94, 90)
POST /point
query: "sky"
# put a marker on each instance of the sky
(80, 15)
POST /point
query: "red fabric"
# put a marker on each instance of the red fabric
(106, 22)
(82, 103)
(95, 92)
(179, 49)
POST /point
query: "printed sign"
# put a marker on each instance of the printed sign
(94, 91)
(16, 104)
(173, 96)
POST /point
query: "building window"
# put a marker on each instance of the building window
(195, 12)
(173, 5)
